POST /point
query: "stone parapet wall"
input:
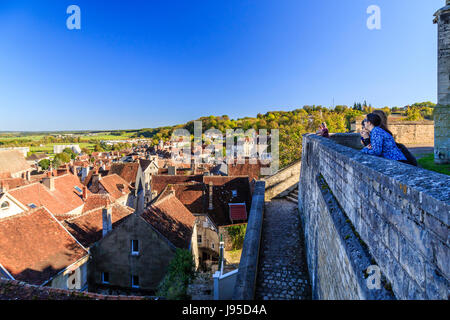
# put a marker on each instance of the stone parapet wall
(410, 132)
(397, 213)
(282, 180)
(246, 279)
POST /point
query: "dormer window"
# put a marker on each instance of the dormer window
(5, 205)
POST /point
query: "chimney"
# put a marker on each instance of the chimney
(49, 182)
(210, 207)
(140, 202)
(74, 170)
(28, 175)
(95, 182)
(171, 190)
(107, 220)
(3, 187)
(84, 193)
(172, 171)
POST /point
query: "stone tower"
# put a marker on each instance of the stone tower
(442, 111)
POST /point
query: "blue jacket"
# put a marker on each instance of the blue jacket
(383, 145)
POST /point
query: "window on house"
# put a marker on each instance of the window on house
(78, 189)
(105, 277)
(199, 238)
(5, 205)
(234, 193)
(32, 205)
(135, 281)
(134, 247)
(212, 245)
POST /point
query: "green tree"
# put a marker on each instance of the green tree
(70, 152)
(62, 157)
(44, 164)
(237, 235)
(413, 114)
(180, 273)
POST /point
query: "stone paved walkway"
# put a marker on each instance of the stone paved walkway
(282, 270)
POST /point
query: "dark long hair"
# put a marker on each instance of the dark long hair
(383, 118)
(374, 119)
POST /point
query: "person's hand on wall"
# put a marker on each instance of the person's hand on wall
(365, 133)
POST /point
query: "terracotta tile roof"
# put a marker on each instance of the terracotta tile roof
(12, 161)
(191, 195)
(115, 185)
(17, 290)
(144, 163)
(195, 195)
(172, 219)
(37, 157)
(128, 171)
(37, 177)
(253, 171)
(160, 182)
(95, 201)
(87, 228)
(13, 183)
(5, 175)
(61, 201)
(34, 246)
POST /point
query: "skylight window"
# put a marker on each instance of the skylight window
(32, 205)
(78, 189)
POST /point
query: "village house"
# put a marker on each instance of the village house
(37, 249)
(61, 195)
(13, 164)
(215, 201)
(135, 255)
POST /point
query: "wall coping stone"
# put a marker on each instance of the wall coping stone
(244, 288)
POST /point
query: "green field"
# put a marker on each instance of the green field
(39, 142)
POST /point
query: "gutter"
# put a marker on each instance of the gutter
(6, 272)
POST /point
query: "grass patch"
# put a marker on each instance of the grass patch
(427, 162)
(233, 256)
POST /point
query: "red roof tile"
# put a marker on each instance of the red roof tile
(87, 228)
(35, 247)
(172, 219)
(128, 171)
(115, 185)
(62, 200)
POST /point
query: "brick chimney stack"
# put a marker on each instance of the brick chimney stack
(49, 182)
(210, 207)
(3, 187)
(84, 193)
(107, 220)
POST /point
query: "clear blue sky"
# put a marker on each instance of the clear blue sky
(140, 64)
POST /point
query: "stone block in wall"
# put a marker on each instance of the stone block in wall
(412, 262)
(436, 283)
